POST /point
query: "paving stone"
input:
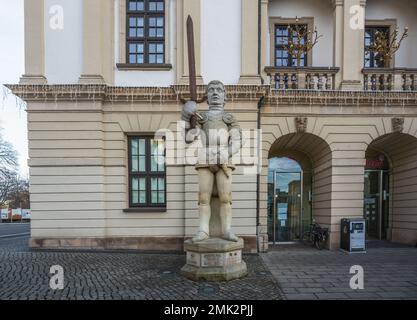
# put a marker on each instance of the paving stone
(389, 271)
(331, 296)
(89, 275)
(301, 296)
(396, 295)
(311, 290)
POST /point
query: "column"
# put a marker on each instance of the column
(249, 55)
(185, 8)
(34, 43)
(353, 44)
(264, 36)
(98, 35)
(338, 40)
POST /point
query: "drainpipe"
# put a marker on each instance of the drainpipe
(258, 121)
(258, 175)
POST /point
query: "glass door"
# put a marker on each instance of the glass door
(288, 199)
(376, 202)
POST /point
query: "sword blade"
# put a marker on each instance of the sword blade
(191, 59)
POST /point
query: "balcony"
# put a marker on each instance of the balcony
(308, 78)
(385, 79)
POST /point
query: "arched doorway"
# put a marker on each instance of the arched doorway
(299, 186)
(289, 200)
(390, 200)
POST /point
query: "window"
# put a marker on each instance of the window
(282, 57)
(147, 174)
(372, 59)
(145, 34)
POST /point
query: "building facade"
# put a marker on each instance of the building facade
(337, 127)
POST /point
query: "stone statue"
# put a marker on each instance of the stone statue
(220, 135)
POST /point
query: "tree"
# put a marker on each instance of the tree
(8, 169)
(18, 196)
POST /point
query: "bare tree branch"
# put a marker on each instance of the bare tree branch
(8, 169)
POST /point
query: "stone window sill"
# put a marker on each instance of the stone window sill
(145, 210)
(143, 67)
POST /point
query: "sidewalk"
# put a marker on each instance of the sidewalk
(390, 272)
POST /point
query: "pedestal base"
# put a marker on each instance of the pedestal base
(214, 260)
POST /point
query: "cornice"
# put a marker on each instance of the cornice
(178, 93)
(104, 93)
(342, 98)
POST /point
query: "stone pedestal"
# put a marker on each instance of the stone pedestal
(214, 260)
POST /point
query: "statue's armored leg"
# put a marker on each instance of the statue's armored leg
(224, 186)
(205, 180)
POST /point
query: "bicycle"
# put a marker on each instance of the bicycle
(316, 236)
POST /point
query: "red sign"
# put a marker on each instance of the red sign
(374, 164)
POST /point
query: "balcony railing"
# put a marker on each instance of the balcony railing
(310, 78)
(384, 79)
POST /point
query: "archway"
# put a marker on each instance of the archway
(390, 199)
(299, 186)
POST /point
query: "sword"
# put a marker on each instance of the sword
(191, 59)
(191, 69)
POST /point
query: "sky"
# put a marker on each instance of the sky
(12, 112)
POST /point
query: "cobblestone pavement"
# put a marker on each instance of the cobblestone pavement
(24, 274)
(390, 272)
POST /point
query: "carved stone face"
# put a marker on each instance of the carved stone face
(397, 124)
(215, 96)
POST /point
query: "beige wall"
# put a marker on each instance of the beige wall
(78, 170)
(338, 179)
(77, 150)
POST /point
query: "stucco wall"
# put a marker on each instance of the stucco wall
(63, 47)
(78, 169)
(221, 40)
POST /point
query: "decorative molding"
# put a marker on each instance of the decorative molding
(105, 93)
(147, 67)
(397, 125)
(301, 124)
(143, 243)
(32, 79)
(340, 98)
(91, 79)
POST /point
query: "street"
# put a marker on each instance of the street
(15, 229)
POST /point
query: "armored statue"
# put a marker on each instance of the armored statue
(220, 136)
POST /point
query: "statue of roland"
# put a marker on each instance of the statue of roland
(221, 138)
